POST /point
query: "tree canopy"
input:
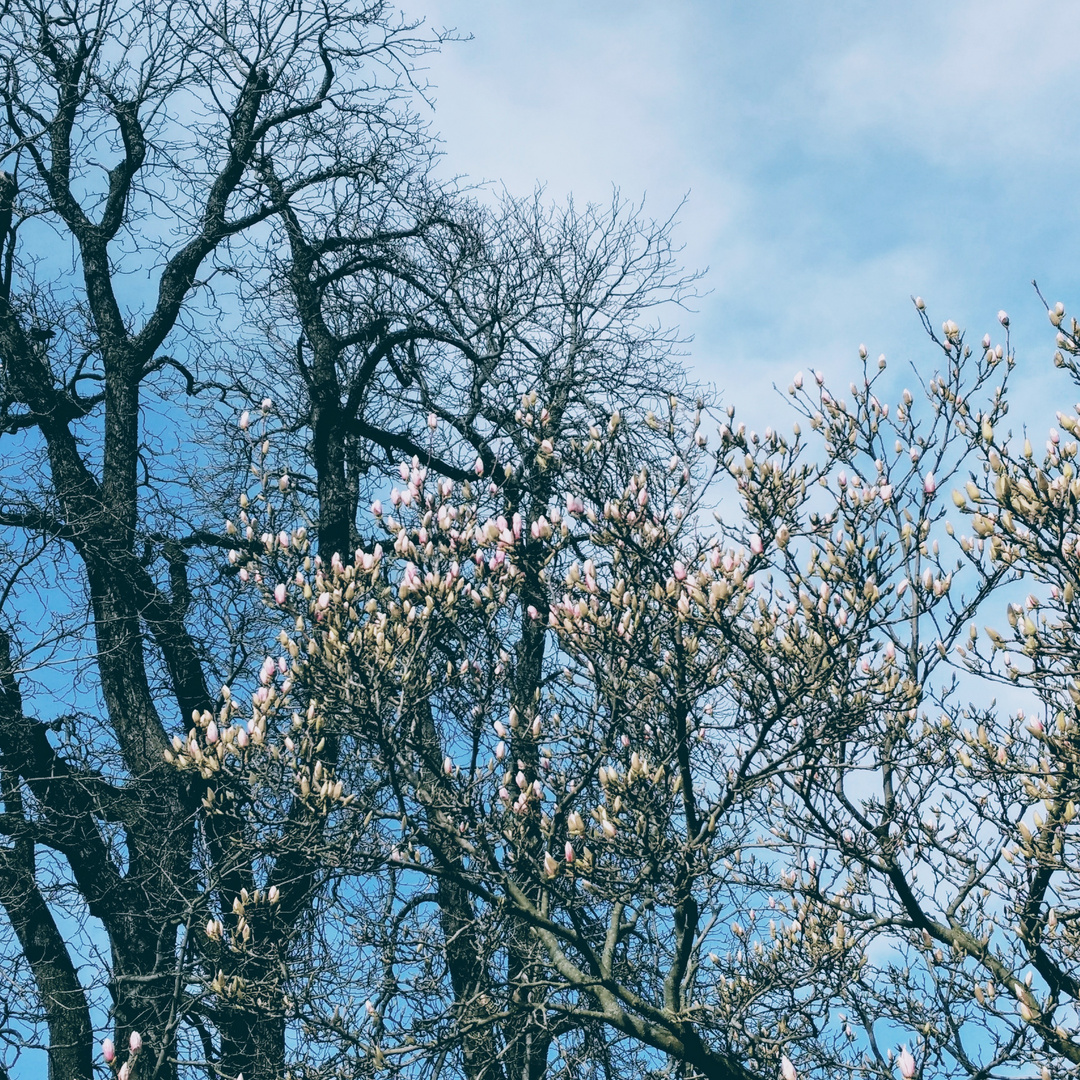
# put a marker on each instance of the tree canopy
(407, 669)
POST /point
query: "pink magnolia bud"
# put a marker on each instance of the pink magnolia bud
(283, 482)
(756, 545)
(125, 1071)
(929, 484)
(242, 738)
(245, 420)
(907, 1064)
(787, 1070)
(211, 738)
(267, 404)
(279, 593)
(569, 852)
(478, 468)
(108, 1051)
(1003, 318)
(680, 571)
(447, 766)
(135, 1042)
(551, 867)
(432, 421)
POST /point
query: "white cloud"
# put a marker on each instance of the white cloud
(838, 157)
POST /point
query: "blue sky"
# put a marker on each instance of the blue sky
(838, 157)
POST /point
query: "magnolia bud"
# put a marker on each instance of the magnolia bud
(907, 1064)
(108, 1051)
(1003, 318)
(787, 1070)
(135, 1042)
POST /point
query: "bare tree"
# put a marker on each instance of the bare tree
(187, 103)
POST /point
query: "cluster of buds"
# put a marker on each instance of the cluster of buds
(127, 1069)
(213, 739)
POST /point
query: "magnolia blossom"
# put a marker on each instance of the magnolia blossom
(907, 1064)
(135, 1042)
(787, 1070)
(279, 593)
(108, 1051)
(929, 484)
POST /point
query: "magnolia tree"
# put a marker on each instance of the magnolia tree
(708, 801)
